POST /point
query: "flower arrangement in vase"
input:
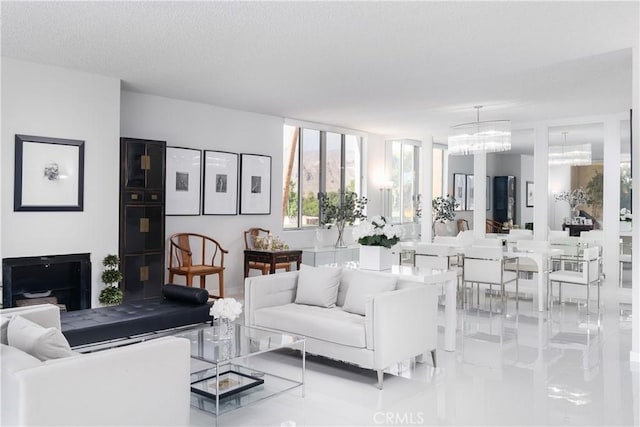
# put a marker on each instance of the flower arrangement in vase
(575, 198)
(443, 209)
(341, 214)
(376, 237)
(225, 311)
(377, 232)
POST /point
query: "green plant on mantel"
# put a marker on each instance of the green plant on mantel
(111, 276)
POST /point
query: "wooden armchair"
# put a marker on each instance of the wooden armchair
(249, 244)
(181, 260)
(493, 226)
(463, 225)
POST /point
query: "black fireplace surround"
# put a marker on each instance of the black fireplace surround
(65, 277)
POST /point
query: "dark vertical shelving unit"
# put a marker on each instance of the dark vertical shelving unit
(142, 206)
(504, 198)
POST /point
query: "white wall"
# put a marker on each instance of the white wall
(55, 102)
(460, 164)
(206, 127)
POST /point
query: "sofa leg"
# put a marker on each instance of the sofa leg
(433, 357)
(380, 378)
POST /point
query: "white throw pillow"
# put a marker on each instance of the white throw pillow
(4, 324)
(318, 286)
(42, 343)
(363, 285)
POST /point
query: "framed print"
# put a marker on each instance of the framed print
(229, 383)
(220, 183)
(255, 184)
(460, 190)
(469, 198)
(530, 191)
(182, 186)
(49, 174)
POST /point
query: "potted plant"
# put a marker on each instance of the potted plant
(111, 276)
(340, 214)
(376, 237)
(443, 209)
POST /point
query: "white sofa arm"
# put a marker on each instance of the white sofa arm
(45, 315)
(141, 384)
(268, 291)
(403, 324)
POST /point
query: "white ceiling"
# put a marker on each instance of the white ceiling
(390, 68)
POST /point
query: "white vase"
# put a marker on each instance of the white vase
(375, 258)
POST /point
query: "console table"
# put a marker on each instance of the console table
(576, 229)
(272, 258)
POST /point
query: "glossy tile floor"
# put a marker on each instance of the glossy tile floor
(562, 367)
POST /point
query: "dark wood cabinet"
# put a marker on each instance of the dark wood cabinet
(142, 178)
(504, 198)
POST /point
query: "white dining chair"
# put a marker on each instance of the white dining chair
(553, 234)
(487, 265)
(489, 242)
(587, 273)
(527, 264)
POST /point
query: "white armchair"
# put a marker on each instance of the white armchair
(139, 384)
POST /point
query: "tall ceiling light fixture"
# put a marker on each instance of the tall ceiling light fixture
(569, 155)
(489, 136)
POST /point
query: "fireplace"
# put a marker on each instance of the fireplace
(61, 279)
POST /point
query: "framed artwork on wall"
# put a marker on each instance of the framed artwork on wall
(49, 174)
(255, 184)
(220, 183)
(530, 192)
(460, 190)
(470, 201)
(183, 178)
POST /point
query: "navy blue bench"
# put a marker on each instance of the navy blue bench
(179, 306)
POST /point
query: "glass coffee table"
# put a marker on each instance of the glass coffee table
(227, 374)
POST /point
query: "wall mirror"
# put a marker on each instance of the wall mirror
(576, 177)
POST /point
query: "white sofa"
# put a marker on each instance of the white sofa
(140, 384)
(397, 325)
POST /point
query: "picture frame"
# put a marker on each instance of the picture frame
(183, 181)
(230, 382)
(255, 184)
(460, 190)
(220, 196)
(48, 174)
(470, 203)
(530, 193)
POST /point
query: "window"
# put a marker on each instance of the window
(317, 161)
(404, 169)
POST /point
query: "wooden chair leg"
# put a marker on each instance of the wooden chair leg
(288, 267)
(171, 277)
(221, 284)
(203, 282)
(189, 280)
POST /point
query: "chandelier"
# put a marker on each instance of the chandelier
(489, 136)
(569, 155)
